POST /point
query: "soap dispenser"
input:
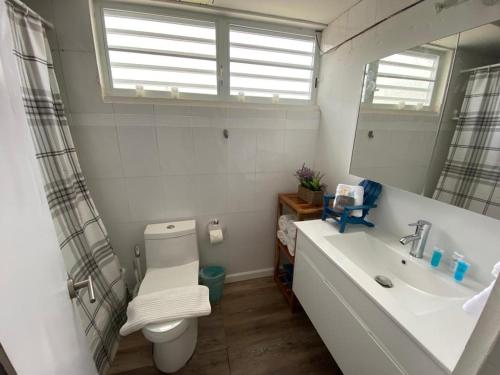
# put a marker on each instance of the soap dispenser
(455, 258)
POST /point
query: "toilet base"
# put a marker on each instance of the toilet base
(171, 356)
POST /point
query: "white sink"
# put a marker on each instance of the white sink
(418, 287)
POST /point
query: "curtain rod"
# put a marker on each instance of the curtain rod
(19, 4)
(480, 68)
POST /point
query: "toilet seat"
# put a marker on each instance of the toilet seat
(167, 331)
(158, 279)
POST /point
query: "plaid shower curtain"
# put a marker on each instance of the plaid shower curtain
(82, 236)
(470, 176)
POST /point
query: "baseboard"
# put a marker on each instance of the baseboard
(240, 276)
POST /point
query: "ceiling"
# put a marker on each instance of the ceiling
(319, 11)
(483, 40)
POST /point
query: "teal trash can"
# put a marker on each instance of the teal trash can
(213, 277)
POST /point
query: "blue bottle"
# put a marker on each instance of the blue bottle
(461, 269)
(437, 255)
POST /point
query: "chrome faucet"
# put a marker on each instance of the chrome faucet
(418, 239)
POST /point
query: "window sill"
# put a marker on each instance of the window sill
(206, 103)
(401, 112)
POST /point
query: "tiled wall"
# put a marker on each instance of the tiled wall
(151, 163)
(174, 162)
(407, 141)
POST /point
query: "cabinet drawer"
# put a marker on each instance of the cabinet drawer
(347, 338)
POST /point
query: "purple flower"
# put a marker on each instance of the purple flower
(309, 178)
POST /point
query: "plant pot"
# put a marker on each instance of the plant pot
(313, 197)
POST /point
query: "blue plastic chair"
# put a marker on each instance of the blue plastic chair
(372, 191)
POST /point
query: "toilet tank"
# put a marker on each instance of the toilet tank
(171, 244)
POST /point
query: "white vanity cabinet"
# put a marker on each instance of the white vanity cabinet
(360, 336)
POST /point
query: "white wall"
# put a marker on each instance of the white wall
(406, 139)
(150, 163)
(339, 90)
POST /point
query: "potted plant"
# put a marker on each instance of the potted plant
(311, 188)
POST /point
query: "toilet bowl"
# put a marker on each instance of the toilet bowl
(172, 262)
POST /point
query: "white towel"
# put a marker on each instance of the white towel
(291, 229)
(355, 191)
(281, 236)
(291, 235)
(283, 221)
(476, 304)
(290, 245)
(166, 305)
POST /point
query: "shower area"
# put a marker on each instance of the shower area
(89, 258)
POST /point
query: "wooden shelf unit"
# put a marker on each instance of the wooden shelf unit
(303, 211)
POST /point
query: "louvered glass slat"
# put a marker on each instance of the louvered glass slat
(159, 27)
(411, 60)
(269, 56)
(259, 40)
(163, 76)
(265, 94)
(266, 70)
(266, 64)
(174, 46)
(160, 53)
(409, 83)
(404, 79)
(405, 71)
(158, 87)
(162, 61)
(269, 84)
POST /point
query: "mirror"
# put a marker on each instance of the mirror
(429, 121)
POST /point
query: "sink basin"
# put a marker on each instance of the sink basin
(416, 285)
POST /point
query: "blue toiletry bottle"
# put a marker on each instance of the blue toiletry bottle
(461, 269)
(437, 255)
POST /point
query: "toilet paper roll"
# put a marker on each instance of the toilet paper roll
(216, 236)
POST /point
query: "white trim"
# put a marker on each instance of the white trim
(262, 29)
(234, 103)
(227, 12)
(249, 275)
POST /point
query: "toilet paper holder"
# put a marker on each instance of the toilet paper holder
(215, 231)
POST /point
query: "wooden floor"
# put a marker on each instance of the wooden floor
(251, 332)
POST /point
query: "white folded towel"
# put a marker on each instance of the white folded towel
(354, 191)
(283, 221)
(476, 304)
(282, 237)
(290, 245)
(166, 305)
(291, 229)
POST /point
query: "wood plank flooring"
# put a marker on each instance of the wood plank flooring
(251, 332)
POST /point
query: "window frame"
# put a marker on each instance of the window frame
(222, 26)
(436, 96)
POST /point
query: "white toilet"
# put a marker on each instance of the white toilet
(172, 261)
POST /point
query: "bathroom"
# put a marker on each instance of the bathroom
(219, 155)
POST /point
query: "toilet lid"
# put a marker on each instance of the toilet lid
(157, 279)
